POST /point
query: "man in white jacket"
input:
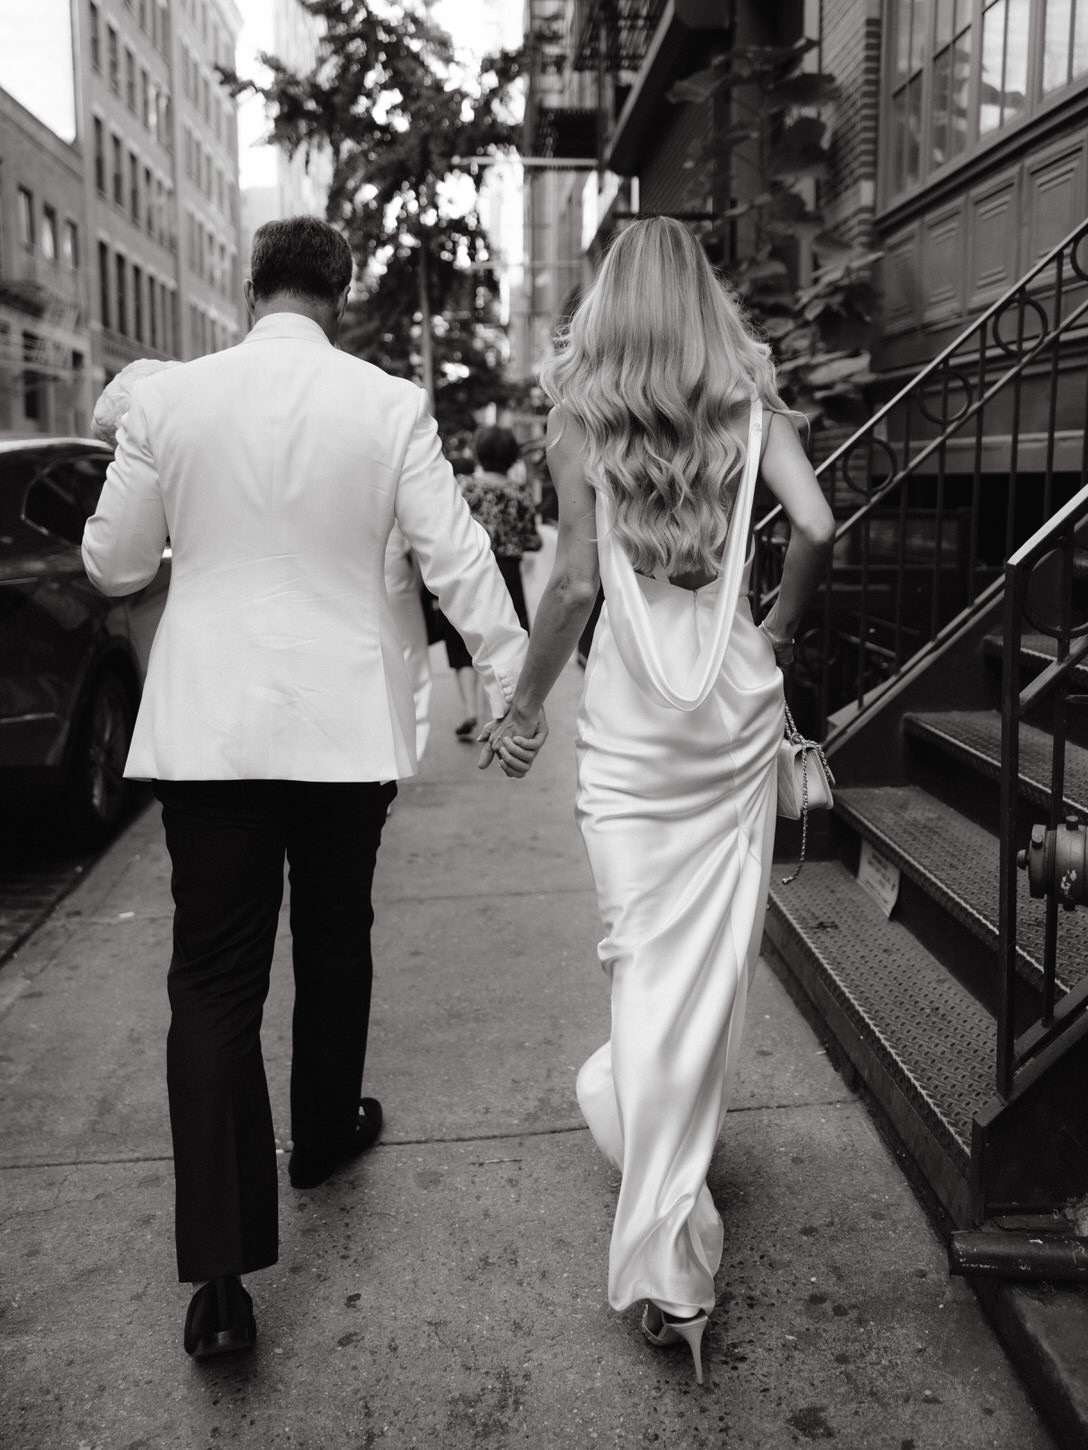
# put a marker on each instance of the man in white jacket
(276, 718)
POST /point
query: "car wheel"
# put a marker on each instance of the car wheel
(97, 790)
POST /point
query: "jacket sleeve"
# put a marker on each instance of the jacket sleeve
(456, 561)
(124, 539)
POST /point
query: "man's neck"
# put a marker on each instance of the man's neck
(318, 312)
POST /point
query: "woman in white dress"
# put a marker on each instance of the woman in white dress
(666, 409)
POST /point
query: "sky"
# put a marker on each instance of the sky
(36, 60)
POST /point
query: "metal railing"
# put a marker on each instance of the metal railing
(612, 33)
(1041, 584)
(940, 485)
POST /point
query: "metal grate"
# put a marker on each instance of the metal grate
(957, 863)
(974, 736)
(933, 1039)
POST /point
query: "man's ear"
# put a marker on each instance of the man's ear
(341, 306)
(247, 293)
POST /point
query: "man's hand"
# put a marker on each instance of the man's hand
(514, 741)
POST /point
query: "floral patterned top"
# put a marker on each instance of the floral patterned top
(506, 511)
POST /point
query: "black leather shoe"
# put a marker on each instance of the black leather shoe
(307, 1167)
(220, 1319)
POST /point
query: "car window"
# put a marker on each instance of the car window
(54, 503)
(88, 474)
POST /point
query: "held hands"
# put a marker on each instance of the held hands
(514, 741)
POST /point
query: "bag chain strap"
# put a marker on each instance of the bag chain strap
(797, 738)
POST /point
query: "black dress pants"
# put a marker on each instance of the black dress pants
(228, 841)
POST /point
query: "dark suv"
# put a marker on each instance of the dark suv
(71, 661)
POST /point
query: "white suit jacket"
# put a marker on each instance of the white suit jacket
(277, 469)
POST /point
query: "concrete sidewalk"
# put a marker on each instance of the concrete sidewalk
(449, 1289)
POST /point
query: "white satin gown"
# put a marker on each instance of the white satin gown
(678, 732)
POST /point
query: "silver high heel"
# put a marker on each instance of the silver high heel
(686, 1331)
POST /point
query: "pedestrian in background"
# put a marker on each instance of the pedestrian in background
(666, 409)
(503, 504)
(275, 721)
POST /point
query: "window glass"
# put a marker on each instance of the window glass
(993, 66)
(1017, 38)
(52, 503)
(88, 474)
(26, 217)
(49, 233)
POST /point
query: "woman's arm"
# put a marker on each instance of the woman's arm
(564, 607)
(790, 477)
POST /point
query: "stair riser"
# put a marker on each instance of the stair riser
(940, 1172)
(970, 791)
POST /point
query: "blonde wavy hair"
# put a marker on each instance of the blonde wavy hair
(655, 361)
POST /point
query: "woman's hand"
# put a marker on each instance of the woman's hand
(515, 740)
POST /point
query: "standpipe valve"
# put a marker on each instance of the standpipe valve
(1057, 863)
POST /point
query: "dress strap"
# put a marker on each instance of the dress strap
(629, 614)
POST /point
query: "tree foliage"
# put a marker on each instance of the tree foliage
(780, 131)
(403, 128)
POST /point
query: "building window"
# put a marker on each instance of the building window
(162, 26)
(99, 156)
(71, 246)
(1003, 94)
(50, 246)
(32, 380)
(137, 303)
(149, 211)
(134, 187)
(114, 55)
(122, 294)
(962, 72)
(27, 229)
(118, 177)
(1065, 43)
(153, 311)
(130, 80)
(95, 28)
(104, 284)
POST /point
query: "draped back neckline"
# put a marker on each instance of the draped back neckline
(629, 613)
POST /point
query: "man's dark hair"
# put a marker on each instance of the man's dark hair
(497, 449)
(299, 254)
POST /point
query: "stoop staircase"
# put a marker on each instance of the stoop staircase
(945, 663)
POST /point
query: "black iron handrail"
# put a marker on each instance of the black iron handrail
(1039, 590)
(946, 492)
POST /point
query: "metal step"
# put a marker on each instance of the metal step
(974, 738)
(1038, 651)
(957, 863)
(921, 1042)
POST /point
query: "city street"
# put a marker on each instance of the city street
(449, 1289)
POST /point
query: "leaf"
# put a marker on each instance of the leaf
(767, 267)
(810, 88)
(699, 86)
(777, 327)
(829, 370)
